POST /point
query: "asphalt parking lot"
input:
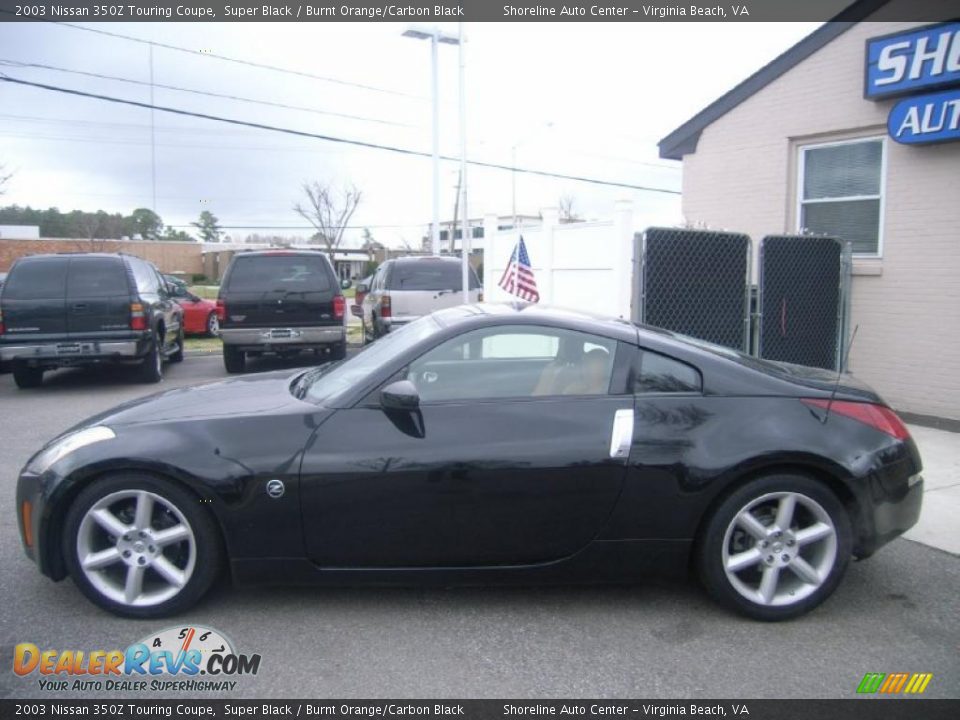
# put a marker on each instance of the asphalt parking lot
(897, 612)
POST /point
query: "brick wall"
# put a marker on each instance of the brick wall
(169, 257)
(907, 303)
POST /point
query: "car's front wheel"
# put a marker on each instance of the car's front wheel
(213, 325)
(140, 546)
(776, 547)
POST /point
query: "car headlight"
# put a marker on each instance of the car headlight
(60, 448)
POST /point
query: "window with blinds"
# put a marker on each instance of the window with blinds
(841, 192)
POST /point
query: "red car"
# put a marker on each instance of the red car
(199, 315)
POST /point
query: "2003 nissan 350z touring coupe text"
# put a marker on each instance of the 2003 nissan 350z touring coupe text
(482, 444)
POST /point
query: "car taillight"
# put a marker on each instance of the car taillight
(878, 417)
(138, 319)
(221, 310)
(339, 305)
(385, 310)
(26, 515)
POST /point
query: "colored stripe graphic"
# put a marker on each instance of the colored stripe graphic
(894, 683)
(871, 682)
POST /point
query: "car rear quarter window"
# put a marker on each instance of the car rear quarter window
(37, 280)
(292, 273)
(97, 277)
(145, 278)
(662, 374)
(429, 275)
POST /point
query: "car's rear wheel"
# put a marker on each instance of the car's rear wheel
(233, 360)
(213, 325)
(151, 367)
(776, 547)
(140, 546)
(27, 377)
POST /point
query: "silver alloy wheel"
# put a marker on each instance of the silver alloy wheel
(213, 325)
(779, 548)
(136, 548)
(158, 356)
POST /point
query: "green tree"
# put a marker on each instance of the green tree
(208, 227)
(146, 223)
(177, 235)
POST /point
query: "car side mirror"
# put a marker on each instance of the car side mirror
(400, 395)
(346, 284)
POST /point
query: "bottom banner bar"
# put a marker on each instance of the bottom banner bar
(868, 709)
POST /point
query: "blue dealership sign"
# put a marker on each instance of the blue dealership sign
(926, 118)
(920, 59)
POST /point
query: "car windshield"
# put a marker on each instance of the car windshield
(429, 275)
(267, 273)
(325, 382)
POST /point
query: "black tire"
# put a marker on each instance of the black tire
(233, 360)
(207, 551)
(151, 367)
(764, 495)
(177, 355)
(27, 377)
(338, 351)
(213, 325)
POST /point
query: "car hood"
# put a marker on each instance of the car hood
(259, 395)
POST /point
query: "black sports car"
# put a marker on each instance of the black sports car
(482, 444)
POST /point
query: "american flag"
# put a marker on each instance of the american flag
(518, 277)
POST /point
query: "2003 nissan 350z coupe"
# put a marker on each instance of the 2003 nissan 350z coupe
(482, 444)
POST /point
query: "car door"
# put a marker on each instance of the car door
(496, 467)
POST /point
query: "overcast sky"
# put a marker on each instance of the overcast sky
(586, 99)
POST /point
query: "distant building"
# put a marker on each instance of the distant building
(20, 232)
(451, 227)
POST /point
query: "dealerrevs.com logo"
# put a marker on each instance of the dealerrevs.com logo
(189, 659)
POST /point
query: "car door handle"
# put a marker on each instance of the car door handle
(622, 436)
(80, 306)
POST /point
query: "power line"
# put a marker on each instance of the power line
(239, 61)
(223, 96)
(335, 139)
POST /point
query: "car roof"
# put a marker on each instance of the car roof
(488, 314)
(279, 251)
(410, 259)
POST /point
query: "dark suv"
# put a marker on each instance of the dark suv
(86, 309)
(283, 302)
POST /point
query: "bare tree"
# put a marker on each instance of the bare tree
(329, 211)
(567, 213)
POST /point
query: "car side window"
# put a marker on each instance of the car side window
(515, 362)
(144, 277)
(661, 374)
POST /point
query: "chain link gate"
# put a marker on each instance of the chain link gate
(804, 300)
(695, 282)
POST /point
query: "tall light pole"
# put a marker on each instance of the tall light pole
(466, 235)
(435, 36)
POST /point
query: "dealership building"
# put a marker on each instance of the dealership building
(854, 133)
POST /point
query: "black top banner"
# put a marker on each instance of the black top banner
(474, 11)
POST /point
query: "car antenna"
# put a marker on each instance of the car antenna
(836, 385)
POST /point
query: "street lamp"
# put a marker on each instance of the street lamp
(435, 36)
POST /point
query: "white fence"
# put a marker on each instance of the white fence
(583, 266)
